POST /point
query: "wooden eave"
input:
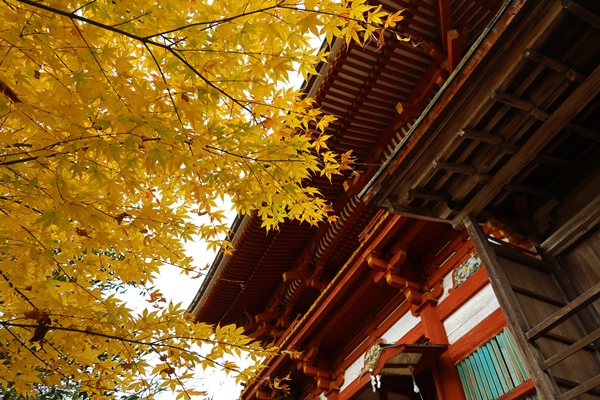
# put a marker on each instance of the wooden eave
(518, 121)
(361, 88)
(352, 304)
(392, 354)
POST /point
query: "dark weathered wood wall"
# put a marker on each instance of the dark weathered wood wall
(540, 294)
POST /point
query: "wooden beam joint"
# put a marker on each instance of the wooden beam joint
(424, 214)
(454, 167)
(480, 136)
(296, 274)
(513, 101)
(583, 13)
(554, 65)
(429, 195)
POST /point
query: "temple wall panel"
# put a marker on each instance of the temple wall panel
(400, 328)
(352, 373)
(475, 310)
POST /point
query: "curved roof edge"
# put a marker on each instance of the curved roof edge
(237, 228)
(310, 87)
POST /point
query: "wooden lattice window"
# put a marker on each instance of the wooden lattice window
(493, 370)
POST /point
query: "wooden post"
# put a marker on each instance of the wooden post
(546, 388)
(443, 16)
(447, 379)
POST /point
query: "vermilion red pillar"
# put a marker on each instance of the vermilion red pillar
(447, 379)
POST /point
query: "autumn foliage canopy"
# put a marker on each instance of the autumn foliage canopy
(120, 119)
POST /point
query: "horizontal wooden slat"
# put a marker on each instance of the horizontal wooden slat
(428, 195)
(575, 76)
(589, 296)
(536, 295)
(540, 158)
(480, 136)
(504, 250)
(575, 228)
(545, 61)
(519, 392)
(454, 167)
(566, 340)
(584, 14)
(528, 189)
(585, 132)
(412, 212)
(513, 101)
(554, 65)
(581, 389)
(580, 344)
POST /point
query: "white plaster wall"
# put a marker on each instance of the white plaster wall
(353, 372)
(475, 310)
(447, 284)
(322, 396)
(400, 328)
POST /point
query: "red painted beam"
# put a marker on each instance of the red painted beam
(323, 306)
(443, 19)
(447, 379)
(519, 392)
(348, 305)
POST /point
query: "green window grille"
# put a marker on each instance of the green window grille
(493, 369)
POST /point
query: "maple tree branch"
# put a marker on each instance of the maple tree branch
(199, 273)
(216, 149)
(85, 5)
(171, 370)
(100, 66)
(137, 368)
(61, 268)
(10, 284)
(73, 15)
(152, 344)
(164, 78)
(180, 57)
(144, 40)
(12, 46)
(8, 92)
(344, 17)
(132, 19)
(66, 141)
(50, 368)
(249, 53)
(216, 22)
(23, 160)
(6, 326)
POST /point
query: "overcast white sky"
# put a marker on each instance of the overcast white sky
(181, 288)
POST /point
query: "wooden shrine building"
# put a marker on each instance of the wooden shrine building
(465, 263)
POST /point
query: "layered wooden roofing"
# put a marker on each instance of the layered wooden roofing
(365, 88)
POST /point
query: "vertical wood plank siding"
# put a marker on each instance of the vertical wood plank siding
(493, 369)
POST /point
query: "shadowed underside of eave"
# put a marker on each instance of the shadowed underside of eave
(527, 132)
